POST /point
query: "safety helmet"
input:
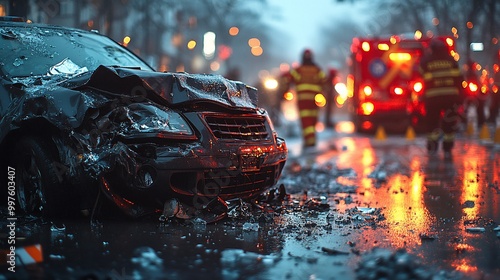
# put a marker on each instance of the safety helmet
(307, 57)
(307, 54)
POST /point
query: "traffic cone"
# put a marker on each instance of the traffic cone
(497, 136)
(410, 133)
(29, 255)
(380, 133)
(470, 129)
(484, 134)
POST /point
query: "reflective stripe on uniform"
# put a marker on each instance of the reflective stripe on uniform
(309, 130)
(433, 136)
(308, 113)
(310, 141)
(441, 91)
(296, 76)
(308, 87)
(440, 74)
(306, 96)
(449, 137)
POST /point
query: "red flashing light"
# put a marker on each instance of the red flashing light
(365, 46)
(367, 90)
(367, 125)
(224, 52)
(398, 90)
(418, 86)
(473, 87)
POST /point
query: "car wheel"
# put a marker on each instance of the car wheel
(38, 185)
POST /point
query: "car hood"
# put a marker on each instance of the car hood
(64, 100)
(175, 88)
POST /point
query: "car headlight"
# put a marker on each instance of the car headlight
(146, 120)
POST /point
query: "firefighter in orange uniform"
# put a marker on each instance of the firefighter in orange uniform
(309, 80)
(442, 97)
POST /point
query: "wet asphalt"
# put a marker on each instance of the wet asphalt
(357, 207)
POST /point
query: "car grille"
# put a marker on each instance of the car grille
(246, 184)
(238, 128)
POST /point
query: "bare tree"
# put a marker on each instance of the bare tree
(395, 16)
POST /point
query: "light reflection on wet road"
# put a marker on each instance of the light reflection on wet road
(432, 206)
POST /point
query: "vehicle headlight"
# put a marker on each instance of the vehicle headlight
(146, 120)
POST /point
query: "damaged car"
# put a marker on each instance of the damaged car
(83, 120)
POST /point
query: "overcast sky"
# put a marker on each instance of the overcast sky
(302, 20)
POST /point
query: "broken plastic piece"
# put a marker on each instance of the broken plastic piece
(281, 192)
(199, 222)
(240, 210)
(475, 229)
(147, 258)
(468, 204)
(330, 251)
(57, 228)
(66, 67)
(250, 227)
(171, 208)
(366, 210)
(428, 236)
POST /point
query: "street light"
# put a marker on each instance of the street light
(233, 31)
(254, 42)
(257, 51)
(191, 44)
(126, 41)
(209, 45)
(271, 83)
(418, 35)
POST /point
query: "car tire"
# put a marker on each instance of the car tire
(39, 188)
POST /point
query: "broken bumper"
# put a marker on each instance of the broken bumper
(194, 175)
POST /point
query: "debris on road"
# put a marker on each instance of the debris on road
(475, 229)
(331, 251)
(428, 236)
(468, 204)
(384, 264)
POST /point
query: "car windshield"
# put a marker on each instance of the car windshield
(32, 50)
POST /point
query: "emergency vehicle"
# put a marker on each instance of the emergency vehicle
(385, 82)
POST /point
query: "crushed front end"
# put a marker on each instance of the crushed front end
(203, 143)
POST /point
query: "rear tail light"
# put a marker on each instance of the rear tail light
(470, 87)
(398, 91)
(473, 87)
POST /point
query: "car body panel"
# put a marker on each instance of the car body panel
(145, 137)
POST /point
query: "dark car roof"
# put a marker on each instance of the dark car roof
(42, 25)
(23, 24)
